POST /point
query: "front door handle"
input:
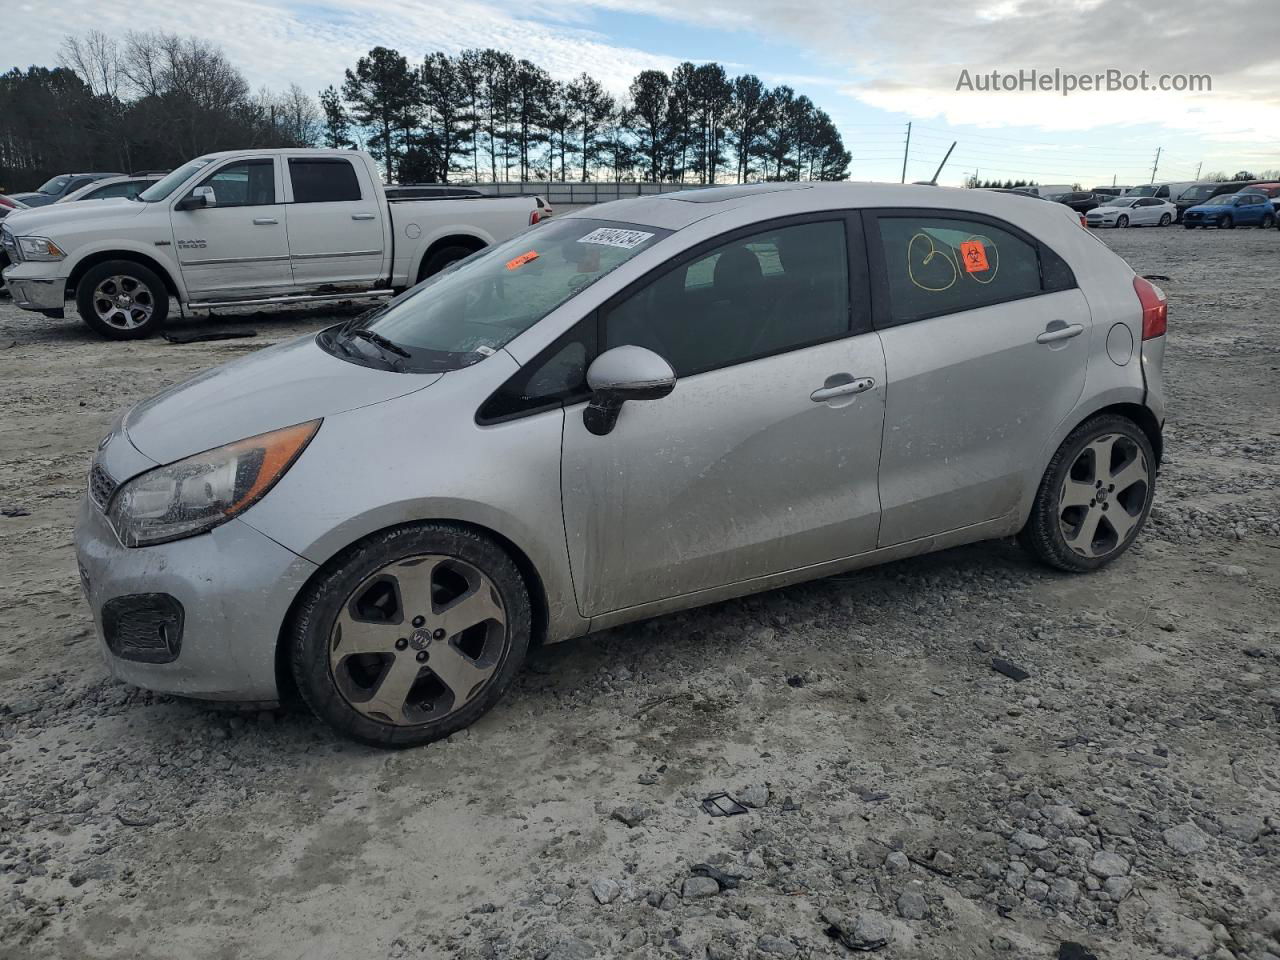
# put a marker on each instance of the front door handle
(823, 394)
(362, 216)
(264, 221)
(1065, 332)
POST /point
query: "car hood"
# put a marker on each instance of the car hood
(292, 382)
(1208, 208)
(45, 221)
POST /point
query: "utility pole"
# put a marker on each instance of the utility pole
(1155, 166)
(906, 150)
(1198, 166)
(934, 181)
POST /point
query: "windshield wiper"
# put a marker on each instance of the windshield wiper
(378, 340)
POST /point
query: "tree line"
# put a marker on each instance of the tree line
(486, 115)
(154, 100)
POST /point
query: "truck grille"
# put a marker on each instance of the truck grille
(101, 486)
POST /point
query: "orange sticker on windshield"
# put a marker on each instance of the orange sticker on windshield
(521, 260)
(974, 255)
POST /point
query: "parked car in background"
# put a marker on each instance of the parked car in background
(1230, 210)
(126, 188)
(240, 228)
(1204, 191)
(1269, 190)
(1110, 191)
(55, 188)
(8, 205)
(1132, 212)
(604, 420)
(545, 210)
(1080, 201)
(1045, 190)
(1170, 190)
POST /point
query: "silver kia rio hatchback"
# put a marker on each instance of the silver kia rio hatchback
(636, 408)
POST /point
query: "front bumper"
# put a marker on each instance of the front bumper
(234, 586)
(35, 293)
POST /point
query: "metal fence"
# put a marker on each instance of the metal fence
(580, 194)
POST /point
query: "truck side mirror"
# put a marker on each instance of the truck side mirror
(199, 197)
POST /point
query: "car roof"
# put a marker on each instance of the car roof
(770, 200)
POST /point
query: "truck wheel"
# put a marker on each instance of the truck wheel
(441, 259)
(122, 300)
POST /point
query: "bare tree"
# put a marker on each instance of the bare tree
(96, 58)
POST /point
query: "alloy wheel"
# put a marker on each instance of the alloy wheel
(123, 302)
(418, 640)
(1104, 496)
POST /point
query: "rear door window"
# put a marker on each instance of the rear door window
(323, 180)
(934, 265)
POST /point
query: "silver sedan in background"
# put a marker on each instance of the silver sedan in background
(636, 408)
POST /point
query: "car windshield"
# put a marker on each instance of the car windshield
(1121, 201)
(54, 186)
(1143, 191)
(466, 313)
(165, 186)
(1196, 193)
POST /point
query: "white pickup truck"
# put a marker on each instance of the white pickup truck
(243, 228)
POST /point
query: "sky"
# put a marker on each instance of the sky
(873, 66)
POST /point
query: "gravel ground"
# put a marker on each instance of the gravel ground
(902, 796)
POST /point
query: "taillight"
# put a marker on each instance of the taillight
(1155, 308)
(533, 217)
(1084, 223)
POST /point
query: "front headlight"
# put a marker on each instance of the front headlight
(205, 490)
(39, 248)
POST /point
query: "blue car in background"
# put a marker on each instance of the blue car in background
(1230, 210)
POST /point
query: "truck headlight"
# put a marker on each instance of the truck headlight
(39, 248)
(197, 494)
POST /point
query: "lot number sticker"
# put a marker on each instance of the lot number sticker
(613, 237)
(521, 260)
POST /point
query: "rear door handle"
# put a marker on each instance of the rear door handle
(264, 221)
(1054, 334)
(823, 394)
(362, 216)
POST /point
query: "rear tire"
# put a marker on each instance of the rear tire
(1095, 496)
(1166, 220)
(1268, 221)
(122, 300)
(411, 634)
(441, 259)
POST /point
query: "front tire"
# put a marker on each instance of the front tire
(122, 300)
(1094, 497)
(410, 635)
(1226, 223)
(1122, 221)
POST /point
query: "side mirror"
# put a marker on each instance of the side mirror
(619, 375)
(199, 197)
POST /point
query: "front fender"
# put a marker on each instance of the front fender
(105, 249)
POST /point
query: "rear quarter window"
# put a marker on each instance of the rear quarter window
(323, 180)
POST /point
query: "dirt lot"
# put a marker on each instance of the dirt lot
(1125, 797)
